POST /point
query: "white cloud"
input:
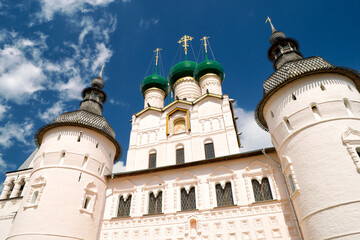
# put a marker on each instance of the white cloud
(147, 23)
(103, 55)
(68, 7)
(119, 167)
(3, 110)
(52, 112)
(12, 132)
(252, 137)
(119, 103)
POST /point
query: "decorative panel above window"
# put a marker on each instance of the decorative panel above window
(179, 126)
(188, 201)
(224, 195)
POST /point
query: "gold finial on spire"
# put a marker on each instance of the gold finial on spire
(272, 26)
(102, 68)
(157, 50)
(185, 40)
(205, 42)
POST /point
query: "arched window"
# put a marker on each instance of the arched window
(224, 195)
(188, 201)
(11, 188)
(179, 126)
(155, 203)
(21, 188)
(124, 206)
(209, 150)
(358, 151)
(152, 160)
(262, 192)
(180, 155)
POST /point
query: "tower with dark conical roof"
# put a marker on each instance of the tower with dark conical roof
(310, 109)
(76, 153)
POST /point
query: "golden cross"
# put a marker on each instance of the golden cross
(102, 68)
(205, 43)
(157, 50)
(272, 27)
(185, 40)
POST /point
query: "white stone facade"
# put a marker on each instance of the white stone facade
(209, 118)
(314, 124)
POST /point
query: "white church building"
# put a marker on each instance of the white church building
(185, 176)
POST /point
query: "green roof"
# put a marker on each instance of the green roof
(180, 70)
(154, 81)
(209, 66)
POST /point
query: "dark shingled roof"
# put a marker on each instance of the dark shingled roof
(294, 70)
(82, 118)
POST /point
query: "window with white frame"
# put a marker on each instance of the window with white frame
(89, 199)
(259, 182)
(290, 178)
(155, 202)
(180, 158)
(188, 199)
(36, 190)
(224, 196)
(209, 149)
(152, 159)
(222, 187)
(262, 190)
(351, 140)
(124, 206)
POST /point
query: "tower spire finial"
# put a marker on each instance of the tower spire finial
(205, 45)
(100, 73)
(157, 50)
(185, 39)
(272, 26)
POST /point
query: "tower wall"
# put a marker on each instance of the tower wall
(69, 178)
(187, 88)
(154, 97)
(210, 83)
(307, 120)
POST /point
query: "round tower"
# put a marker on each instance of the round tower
(154, 88)
(311, 109)
(181, 76)
(209, 74)
(68, 182)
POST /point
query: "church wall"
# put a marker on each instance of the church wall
(246, 219)
(309, 133)
(210, 120)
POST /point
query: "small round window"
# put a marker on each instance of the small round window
(179, 126)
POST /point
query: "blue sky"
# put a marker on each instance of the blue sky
(50, 50)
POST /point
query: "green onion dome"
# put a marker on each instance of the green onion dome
(209, 66)
(154, 81)
(180, 70)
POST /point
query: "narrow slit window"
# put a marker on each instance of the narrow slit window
(291, 182)
(224, 195)
(188, 201)
(152, 160)
(287, 123)
(322, 87)
(87, 203)
(262, 192)
(86, 158)
(180, 156)
(348, 107)
(358, 151)
(272, 114)
(34, 197)
(97, 145)
(59, 136)
(124, 207)
(209, 150)
(316, 112)
(79, 137)
(155, 203)
(350, 88)
(293, 97)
